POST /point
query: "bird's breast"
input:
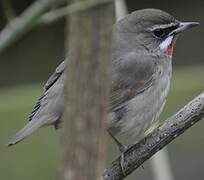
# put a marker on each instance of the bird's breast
(142, 111)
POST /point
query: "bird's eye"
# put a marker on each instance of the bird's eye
(160, 33)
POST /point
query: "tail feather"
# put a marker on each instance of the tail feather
(26, 131)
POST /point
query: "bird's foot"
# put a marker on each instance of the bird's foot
(122, 148)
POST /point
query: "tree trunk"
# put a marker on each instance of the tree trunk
(86, 92)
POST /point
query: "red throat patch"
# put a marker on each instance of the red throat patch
(170, 49)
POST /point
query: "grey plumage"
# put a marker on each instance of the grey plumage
(141, 95)
(140, 76)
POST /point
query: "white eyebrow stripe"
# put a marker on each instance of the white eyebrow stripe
(166, 43)
(162, 26)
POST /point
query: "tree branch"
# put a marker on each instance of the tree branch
(33, 16)
(174, 126)
(121, 9)
(86, 92)
(22, 24)
(53, 16)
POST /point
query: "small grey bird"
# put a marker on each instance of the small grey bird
(140, 73)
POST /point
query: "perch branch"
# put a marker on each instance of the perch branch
(174, 126)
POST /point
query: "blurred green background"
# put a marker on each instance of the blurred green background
(26, 65)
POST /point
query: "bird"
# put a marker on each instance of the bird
(140, 74)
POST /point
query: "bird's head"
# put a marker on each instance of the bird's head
(150, 29)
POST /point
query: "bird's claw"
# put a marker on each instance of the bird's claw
(123, 149)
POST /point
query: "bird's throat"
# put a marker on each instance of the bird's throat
(170, 48)
(168, 44)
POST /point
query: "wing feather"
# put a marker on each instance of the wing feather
(131, 75)
(51, 81)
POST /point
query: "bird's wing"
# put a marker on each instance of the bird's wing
(48, 108)
(130, 75)
(55, 76)
(50, 82)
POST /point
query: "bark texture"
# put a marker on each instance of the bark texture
(86, 92)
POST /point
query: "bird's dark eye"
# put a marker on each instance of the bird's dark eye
(160, 33)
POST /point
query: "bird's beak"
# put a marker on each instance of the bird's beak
(183, 26)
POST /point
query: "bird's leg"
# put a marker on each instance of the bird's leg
(122, 148)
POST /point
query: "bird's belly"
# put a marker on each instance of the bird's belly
(142, 112)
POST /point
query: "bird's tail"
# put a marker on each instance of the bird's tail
(26, 131)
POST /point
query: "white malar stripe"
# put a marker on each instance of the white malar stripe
(166, 43)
